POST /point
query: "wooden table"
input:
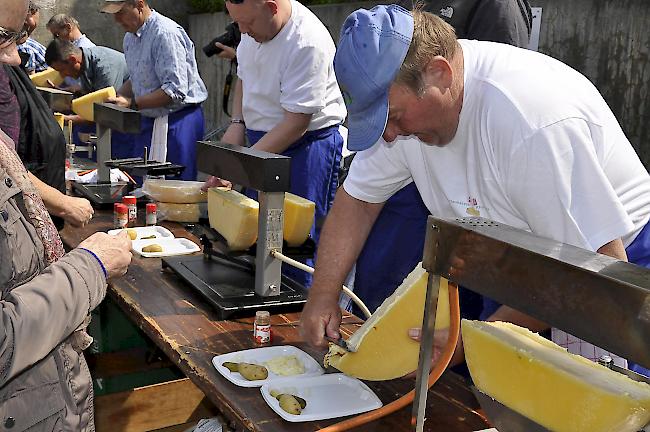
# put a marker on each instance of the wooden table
(187, 331)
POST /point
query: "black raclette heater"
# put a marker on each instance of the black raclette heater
(109, 117)
(231, 284)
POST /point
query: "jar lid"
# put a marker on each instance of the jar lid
(121, 208)
(129, 199)
(262, 314)
(151, 207)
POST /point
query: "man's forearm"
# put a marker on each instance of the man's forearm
(126, 90)
(155, 99)
(342, 238)
(285, 133)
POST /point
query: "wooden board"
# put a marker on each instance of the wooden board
(187, 331)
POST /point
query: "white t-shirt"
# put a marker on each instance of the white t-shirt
(294, 71)
(537, 148)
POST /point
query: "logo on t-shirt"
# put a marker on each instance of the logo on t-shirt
(471, 206)
(447, 12)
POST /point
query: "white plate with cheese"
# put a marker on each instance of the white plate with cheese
(167, 247)
(146, 231)
(282, 361)
(326, 396)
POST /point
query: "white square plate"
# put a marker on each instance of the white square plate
(327, 396)
(171, 247)
(158, 231)
(261, 355)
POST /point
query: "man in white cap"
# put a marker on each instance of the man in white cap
(165, 85)
(461, 120)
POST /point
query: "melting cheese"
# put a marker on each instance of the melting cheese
(542, 381)
(234, 216)
(298, 218)
(384, 350)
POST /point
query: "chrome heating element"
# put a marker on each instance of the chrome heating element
(595, 297)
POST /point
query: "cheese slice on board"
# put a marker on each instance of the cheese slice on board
(40, 78)
(84, 106)
(542, 381)
(298, 218)
(234, 216)
(383, 349)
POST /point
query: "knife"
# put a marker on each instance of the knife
(340, 342)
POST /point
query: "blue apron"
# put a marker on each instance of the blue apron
(315, 161)
(186, 127)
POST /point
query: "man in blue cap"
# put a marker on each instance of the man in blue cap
(461, 120)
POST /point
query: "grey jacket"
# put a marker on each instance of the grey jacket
(45, 384)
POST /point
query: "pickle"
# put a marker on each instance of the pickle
(152, 236)
(152, 248)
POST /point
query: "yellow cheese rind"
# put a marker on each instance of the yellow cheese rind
(234, 216)
(84, 106)
(39, 79)
(298, 218)
(175, 191)
(542, 381)
(384, 350)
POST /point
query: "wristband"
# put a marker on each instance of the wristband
(101, 264)
(237, 121)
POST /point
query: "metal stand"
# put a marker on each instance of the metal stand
(595, 297)
(108, 117)
(228, 286)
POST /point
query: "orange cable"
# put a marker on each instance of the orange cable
(435, 374)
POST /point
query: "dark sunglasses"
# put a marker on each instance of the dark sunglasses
(235, 1)
(7, 37)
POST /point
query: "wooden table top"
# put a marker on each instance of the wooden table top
(185, 327)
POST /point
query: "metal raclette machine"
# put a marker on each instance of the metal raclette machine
(236, 284)
(110, 117)
(595, 297)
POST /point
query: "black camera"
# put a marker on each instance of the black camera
(230, 37)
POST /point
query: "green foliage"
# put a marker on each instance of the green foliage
(212, 6)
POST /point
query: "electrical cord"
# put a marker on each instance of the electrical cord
(305, 267)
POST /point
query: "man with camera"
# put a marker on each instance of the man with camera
(164, 83)
(287, 99)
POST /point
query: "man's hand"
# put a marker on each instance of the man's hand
(215, 182)
(320, 317)
(227, 53)
(113, 251)
(439, 341)
(76, 211)
(120, 100)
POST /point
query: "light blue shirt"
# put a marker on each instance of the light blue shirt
(160, 55)
(35, 53)
(83, 42)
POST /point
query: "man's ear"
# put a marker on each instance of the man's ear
(438, 72)
(273, 6)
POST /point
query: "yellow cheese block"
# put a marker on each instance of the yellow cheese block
(181, 212)
(298, 218)
(542, 381)
(175, 191)
(384, 350)
(40, 78)
(84, 105)
(234, 216)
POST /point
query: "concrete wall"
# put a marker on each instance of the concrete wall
(606, 41)
(101, 28)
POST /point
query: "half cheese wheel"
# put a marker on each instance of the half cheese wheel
(40, 78)
(383, 349)
(84, 106)
(540, 380)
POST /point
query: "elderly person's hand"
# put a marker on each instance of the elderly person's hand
(120, 100)
(215, 182)
(320, 318)
(113, 251)
(76, 211)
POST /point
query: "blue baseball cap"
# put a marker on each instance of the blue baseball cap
(372, 48)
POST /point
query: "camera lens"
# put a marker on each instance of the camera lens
(230, 37)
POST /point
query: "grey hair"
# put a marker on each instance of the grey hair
(59, 21)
